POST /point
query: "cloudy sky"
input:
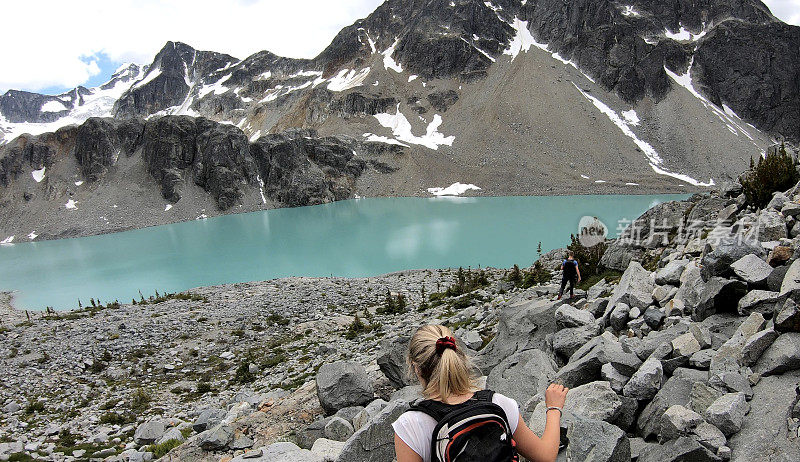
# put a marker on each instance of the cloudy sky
(61, 44)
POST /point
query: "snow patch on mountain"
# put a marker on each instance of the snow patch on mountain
(631, 117)
(388, 61)
(38, 175)
(455, 189)
(147, 78)
(347, 79)
(217, 88)
(522, 41)
(650, 153)
(401, 128)
(98, 102)
(53, 105)
(628, 10)
(726, 116)
(382, 139)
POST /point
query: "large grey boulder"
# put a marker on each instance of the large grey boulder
(752, 270)
(764, 434)
(762, 301)
(619, 316)
(702, 396)
(522, 375)
(567, 341)
(683, 449)
(283, 451)
(782, 356)
(710, 436)
(757, 344)
(342, 384)
(691, 286)
(718, 295)
(676, 390)
(594, 401)
(671, 273)
(392, 361)
(719, 261)
(769, 227)
(791, 281)
(678, 421)
(619, 255)
(635, 288)
(646, 382)
(685, 345)
(788, 318)
(374, 442)
(584, 365)
(522, 325)
(338, 429)
(217, 438)
(207, 419)
(569, 316)
(727, 412)
(149, 432)
(328, 450)
(595, 440)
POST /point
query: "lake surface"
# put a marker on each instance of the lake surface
(356, 238)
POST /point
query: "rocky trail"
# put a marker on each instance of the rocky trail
(686, 348)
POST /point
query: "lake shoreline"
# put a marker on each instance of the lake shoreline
(156, 220)
(357, 238)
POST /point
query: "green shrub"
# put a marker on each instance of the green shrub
(356, 328)
(588, 257)
(34, 407)
(777, 171)
(243, 374)
(537, 275)
(203, 387)
(140, 400)
(160, 450)
(65, 438)
(275, 318)
(274, 360)
(112, 418)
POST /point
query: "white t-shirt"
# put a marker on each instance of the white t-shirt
(415, 428)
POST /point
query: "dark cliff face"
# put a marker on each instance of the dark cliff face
(168, 79)
(298, 168)
(295, 167)
(755, 70)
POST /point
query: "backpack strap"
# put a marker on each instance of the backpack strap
(435, 409)
(438, 410)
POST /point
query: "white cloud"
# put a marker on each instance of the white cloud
(55, 48)
(787, 11)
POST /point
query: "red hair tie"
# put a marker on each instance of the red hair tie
(445, 343)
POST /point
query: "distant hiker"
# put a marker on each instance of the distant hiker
(571, 274)
(459, 422)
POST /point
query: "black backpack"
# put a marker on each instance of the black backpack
(474, 431)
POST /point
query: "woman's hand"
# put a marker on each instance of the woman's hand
(555, 395)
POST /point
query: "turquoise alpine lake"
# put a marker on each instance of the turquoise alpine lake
(355, 238)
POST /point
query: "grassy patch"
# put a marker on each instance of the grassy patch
(160, 450)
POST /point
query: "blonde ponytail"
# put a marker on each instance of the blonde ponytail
(443, 373)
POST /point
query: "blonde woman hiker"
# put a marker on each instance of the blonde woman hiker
(457, 422)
